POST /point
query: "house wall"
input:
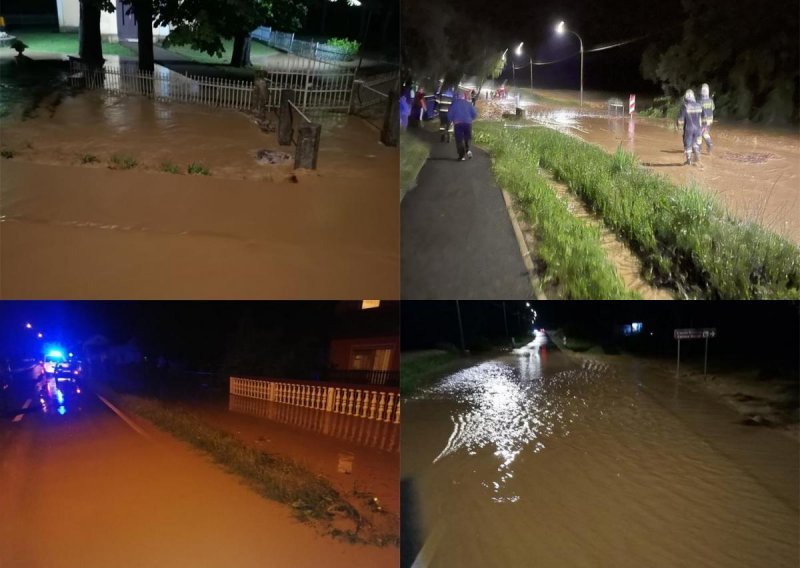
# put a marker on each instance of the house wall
(69, 20)
(342, 348)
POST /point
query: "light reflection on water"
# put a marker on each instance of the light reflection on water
(510, 409)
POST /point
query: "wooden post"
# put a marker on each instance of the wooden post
(390, 134)
(285, 129)
(678, 369)
(307, 146)
(260, 96)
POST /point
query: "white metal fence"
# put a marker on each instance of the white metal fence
(317, 85)
(351, 401)
(165, 85)
(287, 42)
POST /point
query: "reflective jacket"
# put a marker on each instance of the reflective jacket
(708, 109)
(691, 116)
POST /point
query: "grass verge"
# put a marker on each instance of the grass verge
(256, 50)
(413, 154)
(572, 260)
(311, 496)
(66, 43)
(683, 236)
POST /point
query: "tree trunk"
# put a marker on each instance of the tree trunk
(143, 10)
(241, 51)
(90, 47)
(324, 17)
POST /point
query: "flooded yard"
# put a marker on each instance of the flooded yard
(545, 459)
(97, 192)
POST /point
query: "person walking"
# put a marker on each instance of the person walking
(444, 100)
(462, 113)
(707, 119)
(690, 118)
(405, 111)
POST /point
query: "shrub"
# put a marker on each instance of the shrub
(7, 154)
(19, 46)
(348, 47)
(89, 159)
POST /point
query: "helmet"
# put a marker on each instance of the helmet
(689, 96)
(704, 90)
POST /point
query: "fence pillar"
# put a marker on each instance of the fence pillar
(285, 129)
(307, 146)
(390, 134)
(261, 96)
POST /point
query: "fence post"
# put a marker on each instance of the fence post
(307, 146)
(285, 129)
(260, 94)
(390, 134)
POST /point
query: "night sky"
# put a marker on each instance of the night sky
(757, 330)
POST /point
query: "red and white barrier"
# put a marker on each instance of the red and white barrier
(632, 104)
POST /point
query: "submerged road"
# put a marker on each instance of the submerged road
(86, 486)
(543, 459)
(456, 236)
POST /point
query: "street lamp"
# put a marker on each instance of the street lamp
(560, 29)
(39, 335)
(28, 326)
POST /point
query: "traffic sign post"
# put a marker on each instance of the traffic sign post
(692, 333)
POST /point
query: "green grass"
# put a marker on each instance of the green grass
(419, 368)
(196, 168)
(66, 43)
(413, 154)
(170, 168)
(89, 159)
(684, 237)
(574, 263)
(123, 162)
(256, 50)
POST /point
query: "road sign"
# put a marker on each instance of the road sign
(696, 333)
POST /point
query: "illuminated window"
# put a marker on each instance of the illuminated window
(369, 304)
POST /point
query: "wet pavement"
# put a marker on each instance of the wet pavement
(546, 459)
(457, 240)
(84, 488)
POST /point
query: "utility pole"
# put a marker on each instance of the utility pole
(460, 327)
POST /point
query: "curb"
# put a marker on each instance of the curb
(536, 285)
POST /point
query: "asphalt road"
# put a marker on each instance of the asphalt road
(85, 487)
(456, 237)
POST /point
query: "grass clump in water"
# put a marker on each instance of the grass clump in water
(89, 159)
(123, 162)
(684, 237)
(7, 154)
(170, 168)
(196, 168)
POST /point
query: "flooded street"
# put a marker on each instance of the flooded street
(330, 232)
(540, 458)
(754, 171)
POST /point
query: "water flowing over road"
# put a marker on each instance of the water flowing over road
(540, 458)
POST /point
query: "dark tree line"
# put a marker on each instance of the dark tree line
(747, 51)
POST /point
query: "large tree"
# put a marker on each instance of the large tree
(203, 24)
(90, 43)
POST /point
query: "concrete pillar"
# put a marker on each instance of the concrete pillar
(285, 129)
(307, 146)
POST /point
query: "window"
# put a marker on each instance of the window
(369, 304)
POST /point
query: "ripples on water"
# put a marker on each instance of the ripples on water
(512, 409)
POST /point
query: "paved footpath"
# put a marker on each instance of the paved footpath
(457, 241)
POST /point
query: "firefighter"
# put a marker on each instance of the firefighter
(690, 118)
(443, 101)
(708, 117)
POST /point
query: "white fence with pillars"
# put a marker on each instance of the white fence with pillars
(351, 401)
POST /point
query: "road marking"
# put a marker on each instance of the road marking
(18, 417)
(27, 404)
(127, 420)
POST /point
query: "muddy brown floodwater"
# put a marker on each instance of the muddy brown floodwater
(543, 459)
(70, 229)
(755, 172)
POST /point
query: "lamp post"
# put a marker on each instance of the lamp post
(560, 29)
(517, 51)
